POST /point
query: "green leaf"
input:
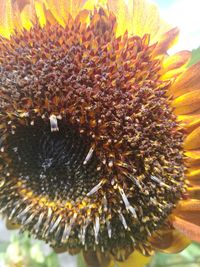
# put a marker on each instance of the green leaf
(3, 246)
(80, 261)
(52, 260)
(195, 56)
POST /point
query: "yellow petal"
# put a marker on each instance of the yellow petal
(17, 8)
(187, 82)
(27, 16)
(173, 66)
(10, 225)
(74, 7)
(189, 229)
(91, 4)
(189, 122)
(135, 259)
(169, 241)
(176, 61)
(187, 103)
(193, 173)
(172, 74)
(39, 8)
(192, 141)
(58, 10)
(6, 23)
(61, 9)
(120, 9)
(166, 41)
(144, 19)
(194, 154)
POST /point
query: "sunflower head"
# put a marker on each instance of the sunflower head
(97, 125)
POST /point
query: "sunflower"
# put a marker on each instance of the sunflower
(99, 129)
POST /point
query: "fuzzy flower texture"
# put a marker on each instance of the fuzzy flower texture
(99, 129)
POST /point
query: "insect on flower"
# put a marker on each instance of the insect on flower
(99, 129)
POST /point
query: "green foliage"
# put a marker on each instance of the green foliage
(190, 257)
(80, 261)
(195, 56)
(22, 252)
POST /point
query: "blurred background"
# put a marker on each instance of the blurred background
(185, 15)
(18, 250)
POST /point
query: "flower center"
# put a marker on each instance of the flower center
(91, 155)
(51, 163)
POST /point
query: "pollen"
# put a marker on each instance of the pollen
(91, 145)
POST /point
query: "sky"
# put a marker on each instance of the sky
(186, 15)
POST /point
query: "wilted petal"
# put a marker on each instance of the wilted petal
(169, 241)
(187, 226)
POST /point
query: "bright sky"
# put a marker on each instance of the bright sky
(186, 15)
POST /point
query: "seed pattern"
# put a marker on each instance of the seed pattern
(91, 155)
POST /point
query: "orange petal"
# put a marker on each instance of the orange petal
(192, 141)
(192, 163)
(6, 23)
(189, 205)
(178, 60)
(50, 17)
(194, 182)
(194, 192)
(21, 3)
(187, 103)
(187, 82)
(189, 229)
(83, 17)
(193, 173)
(169, 241)
(167, 40)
